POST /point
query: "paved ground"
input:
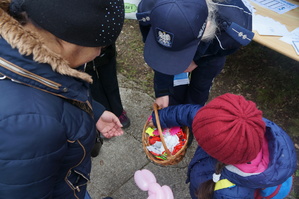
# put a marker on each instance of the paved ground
(113, 170)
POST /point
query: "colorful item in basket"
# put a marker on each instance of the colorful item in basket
(174, 139)
(172, 131)
(150, 131)
(162, 156)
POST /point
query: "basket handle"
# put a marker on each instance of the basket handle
(155, 107)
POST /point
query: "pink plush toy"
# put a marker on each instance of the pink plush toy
(146, 181)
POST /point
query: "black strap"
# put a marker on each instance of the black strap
(82, 106)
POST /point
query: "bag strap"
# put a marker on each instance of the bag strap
(81, 105)
(85, 106)
(275, 192)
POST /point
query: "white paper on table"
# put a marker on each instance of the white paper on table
(296, 46)
(268, 26)
(292, 36)
(249, 6)
(279, 6)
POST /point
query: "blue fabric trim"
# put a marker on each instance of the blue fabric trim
(87, 196)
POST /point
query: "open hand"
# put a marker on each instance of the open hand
(109, 125)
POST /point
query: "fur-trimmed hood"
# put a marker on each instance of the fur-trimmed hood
(30, 43)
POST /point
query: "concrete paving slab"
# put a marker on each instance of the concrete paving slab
(118, 159)
(113, 170)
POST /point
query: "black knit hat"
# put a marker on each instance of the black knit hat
(91, 23)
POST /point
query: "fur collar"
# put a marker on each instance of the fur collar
(30, 43)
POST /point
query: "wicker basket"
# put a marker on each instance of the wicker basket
(171, 159)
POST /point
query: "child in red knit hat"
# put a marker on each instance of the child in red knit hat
(240, 154)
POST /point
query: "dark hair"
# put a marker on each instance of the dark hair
(206, 189)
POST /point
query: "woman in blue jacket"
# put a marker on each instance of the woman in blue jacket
(48, 122)
(240, 154)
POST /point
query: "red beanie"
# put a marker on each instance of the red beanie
(230, 129)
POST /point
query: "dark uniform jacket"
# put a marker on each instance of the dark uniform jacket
(234, 21)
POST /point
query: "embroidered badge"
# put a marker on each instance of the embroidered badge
(164, 38)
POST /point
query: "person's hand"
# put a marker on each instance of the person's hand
(109, 125)
(162, 102)
(191, 67)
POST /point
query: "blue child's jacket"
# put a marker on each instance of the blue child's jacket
(282, 163)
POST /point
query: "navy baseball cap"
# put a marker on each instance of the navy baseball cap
(176, 30)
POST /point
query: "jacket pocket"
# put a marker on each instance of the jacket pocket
(77, 179)
(78, 176)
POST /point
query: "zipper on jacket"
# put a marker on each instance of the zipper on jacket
(73, 187)
(2, 77)
(18, 70)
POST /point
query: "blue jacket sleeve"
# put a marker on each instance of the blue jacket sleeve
(98, 109)
(178, 115)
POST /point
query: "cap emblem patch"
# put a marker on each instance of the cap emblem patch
(164, 38)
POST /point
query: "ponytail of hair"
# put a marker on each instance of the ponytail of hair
(206, 189)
